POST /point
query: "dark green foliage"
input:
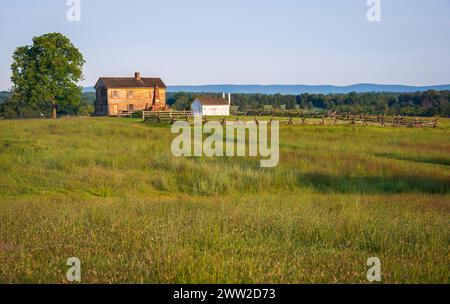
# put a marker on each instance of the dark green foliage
(4, 96)
(87, 103)
(180, 101)
(429, 103)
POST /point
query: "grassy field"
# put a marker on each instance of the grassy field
(109, 192)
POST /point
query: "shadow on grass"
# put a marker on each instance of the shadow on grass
(375, 184)
(436, 160)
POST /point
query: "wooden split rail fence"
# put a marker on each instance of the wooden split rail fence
(166, 117)
(292, 117)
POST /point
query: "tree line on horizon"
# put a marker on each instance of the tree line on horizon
(428, 103)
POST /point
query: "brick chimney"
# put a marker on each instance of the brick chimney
(137, 76)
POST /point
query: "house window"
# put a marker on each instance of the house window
(130, 107)
(115, 94)
(130, 94)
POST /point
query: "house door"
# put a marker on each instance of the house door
(114, 110)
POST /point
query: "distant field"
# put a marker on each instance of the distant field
(109, 192)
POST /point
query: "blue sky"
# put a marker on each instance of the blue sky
(243, 42)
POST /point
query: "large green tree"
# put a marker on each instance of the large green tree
(45, 76)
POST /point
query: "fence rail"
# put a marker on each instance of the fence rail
(298, 117)
(166, 116)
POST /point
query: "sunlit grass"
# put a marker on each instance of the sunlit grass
(110, 192)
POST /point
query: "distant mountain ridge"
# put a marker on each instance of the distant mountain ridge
(299, 89)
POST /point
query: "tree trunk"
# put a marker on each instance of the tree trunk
(54, 111)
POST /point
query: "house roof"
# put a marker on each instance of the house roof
(212, 101)
(131, 82)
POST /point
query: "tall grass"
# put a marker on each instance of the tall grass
(110, 192)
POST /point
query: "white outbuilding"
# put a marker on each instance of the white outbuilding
(211, 106)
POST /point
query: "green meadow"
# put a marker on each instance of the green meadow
(109, 192)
